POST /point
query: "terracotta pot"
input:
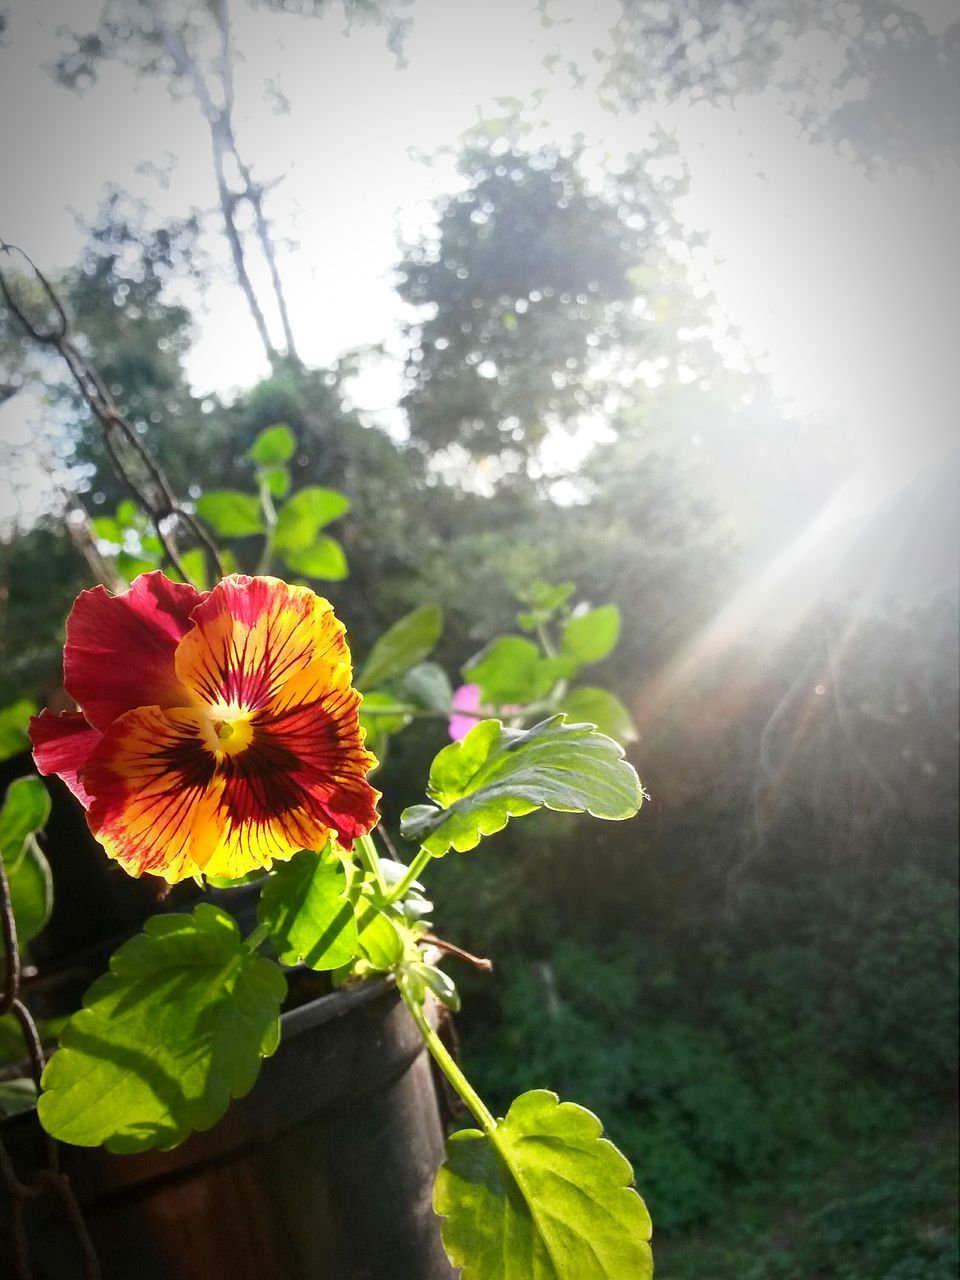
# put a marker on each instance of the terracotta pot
(323, 1172)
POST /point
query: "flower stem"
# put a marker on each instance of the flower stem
(260, 934)
(444, 1060)
(371, 863)
(401, 888)
(270, 520)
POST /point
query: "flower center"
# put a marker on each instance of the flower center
(226, 730)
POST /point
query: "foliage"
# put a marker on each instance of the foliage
(25, 810)
(176, 1029)
(544, 1153)
(495, 774)
(893, 96)
(518, 316)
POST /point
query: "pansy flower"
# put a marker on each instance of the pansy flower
(217, 731)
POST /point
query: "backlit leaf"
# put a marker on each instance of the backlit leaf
(406, 643)
(496, 773)
(545, 1196)
(427, 685)
(277, 480)
(324, 558)
(14, 719)
(591, 636)
(230, 513)
(304, 906)
(274, 445)
(510, 670)
(301, 517)
(176, 1029)
(25, 810)
(600, 707)
(381, 937)
(194, 562)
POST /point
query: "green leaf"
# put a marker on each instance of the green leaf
(129, 514)
(379, 728)
(277, 480)
(599, 707)
(496, 773)
(322, 559)
(377, 700)
(130, 567)
(275, 444)
(407, 642)
(510, 670)
(302, 517)
(31, 891)
(109, 529)
(545, 1196)
(380, 939)
(427, 686)
(13, 727)
(230, 513)
(176, 1029)
(16, 1095)
(194, 562)
(591, 636)
(419, 977)
(304, 905)
(26, 809)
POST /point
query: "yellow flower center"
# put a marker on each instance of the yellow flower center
(226, 730)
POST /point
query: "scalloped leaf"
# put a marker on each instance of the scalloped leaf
(305, 907)
(545, 1195)
(496, 774)
(176, 1029)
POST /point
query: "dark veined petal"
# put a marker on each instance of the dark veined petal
(257, 636)
(62, 744)
(120, 649)
(149, 783)
(163, 804)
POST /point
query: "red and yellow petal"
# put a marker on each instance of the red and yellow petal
(62, 744)
(164, 804)
(120, 649)
(254, 637)
(149, 783)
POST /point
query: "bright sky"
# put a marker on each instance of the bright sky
(846, 285)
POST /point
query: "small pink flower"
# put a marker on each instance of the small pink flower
(466, 698)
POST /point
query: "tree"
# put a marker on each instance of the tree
(192, 45)
(868, 73)
(524, 287)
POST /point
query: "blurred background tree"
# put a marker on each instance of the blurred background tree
(756, 982)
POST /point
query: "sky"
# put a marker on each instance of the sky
(836, 282)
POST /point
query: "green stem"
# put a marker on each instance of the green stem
(401, 888)
(270, 520)
(371, 862)
(545, 641)
(260, 934)
(444, 1060)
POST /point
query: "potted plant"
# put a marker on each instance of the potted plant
(221, 740)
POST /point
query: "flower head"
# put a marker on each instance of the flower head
(217, 731)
